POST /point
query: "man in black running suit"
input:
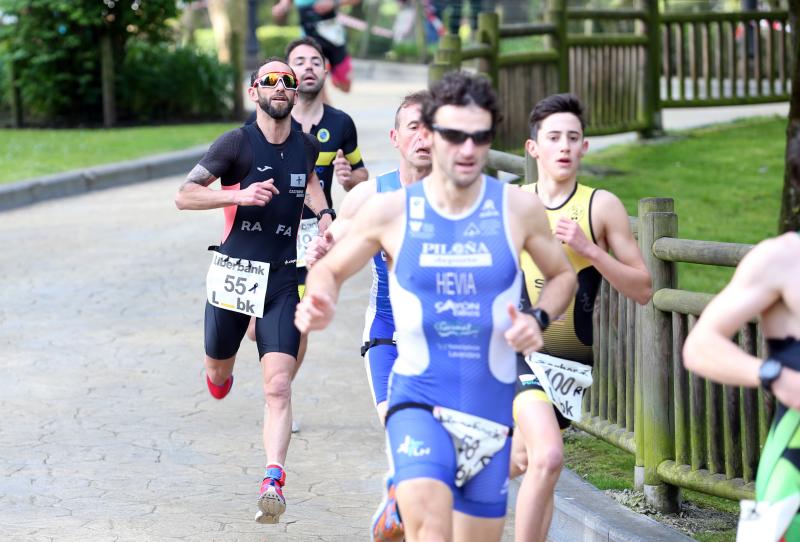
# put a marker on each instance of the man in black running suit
(267, 175)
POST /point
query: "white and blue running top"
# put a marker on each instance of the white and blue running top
(452, 281)
(379, 294)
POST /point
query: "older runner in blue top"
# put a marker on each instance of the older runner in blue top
(451, 244)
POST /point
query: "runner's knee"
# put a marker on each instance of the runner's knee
(546, 461)
(278, 388)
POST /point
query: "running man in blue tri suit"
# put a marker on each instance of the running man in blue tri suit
(452, 243)
(765, 285)
(379, 349)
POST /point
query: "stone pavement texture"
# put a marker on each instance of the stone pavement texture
(108, 432)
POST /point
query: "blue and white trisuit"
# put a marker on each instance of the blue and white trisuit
(452, 386)
(379, 349)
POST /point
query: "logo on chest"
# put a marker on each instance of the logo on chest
(323, 136)
(467, 254)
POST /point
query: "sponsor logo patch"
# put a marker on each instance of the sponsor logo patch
(413, 448)
(459, 309)
(297, 180)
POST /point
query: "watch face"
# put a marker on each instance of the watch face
(770, 370)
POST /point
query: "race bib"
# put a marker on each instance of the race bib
(766, 521)
(332, 30)
(476, 440)
(237, 284)
(563, 381)
(309, 228)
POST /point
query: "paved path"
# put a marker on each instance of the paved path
(108, 432)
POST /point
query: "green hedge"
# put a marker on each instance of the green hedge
(158, 83)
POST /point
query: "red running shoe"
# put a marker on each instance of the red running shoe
(219, 392)
(271, 503)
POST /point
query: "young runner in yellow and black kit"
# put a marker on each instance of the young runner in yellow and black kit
(589, 223)
(765, 285)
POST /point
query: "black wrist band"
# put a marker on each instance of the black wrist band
(541, 317)
(327, 212)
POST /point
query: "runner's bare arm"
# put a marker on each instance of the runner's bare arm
(195, 194)
(546, 251)
(351, 203)
(625, 270)
(315, 200)
(358, 176)
(351, 253)
(320, 245)
(708, 350)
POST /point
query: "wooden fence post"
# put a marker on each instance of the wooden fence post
(489, 33)
(559, 17)
(447, 57)
(419, 32)
(531, 168)
(652, 82)
(654, 416)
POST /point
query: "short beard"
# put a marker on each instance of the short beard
(311, 94)
(275, 113)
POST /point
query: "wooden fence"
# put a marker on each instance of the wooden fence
(647, 62)
(684, 431)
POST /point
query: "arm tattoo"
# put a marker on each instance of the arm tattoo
(199, 175)
(310, 204)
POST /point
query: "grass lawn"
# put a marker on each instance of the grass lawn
(31, 153)
(726, 181)
(607, 467)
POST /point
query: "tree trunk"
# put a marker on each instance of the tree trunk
(187, 25)
(229, 21)
(107, 80)
(790, 201)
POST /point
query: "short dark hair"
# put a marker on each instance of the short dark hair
(254, 73)
(305, 40)
(415, 98)
(555, 103)
(461, 89)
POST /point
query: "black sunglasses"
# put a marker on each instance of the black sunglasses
(457, 137)
(270, 80)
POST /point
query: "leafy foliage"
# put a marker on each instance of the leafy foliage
(157, 82)
(54, 45)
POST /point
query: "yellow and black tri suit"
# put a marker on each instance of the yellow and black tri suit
(334, 131)
(570, 336)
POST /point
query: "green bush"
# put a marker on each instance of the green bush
(55, 47)
(157, 83)
(274, 39)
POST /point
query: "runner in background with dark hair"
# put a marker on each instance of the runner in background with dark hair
(589, 223)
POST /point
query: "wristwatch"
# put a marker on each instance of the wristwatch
(327, 212)
(542, 318)
(769, 372)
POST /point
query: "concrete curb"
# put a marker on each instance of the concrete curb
(583, 512)
(75, 182)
